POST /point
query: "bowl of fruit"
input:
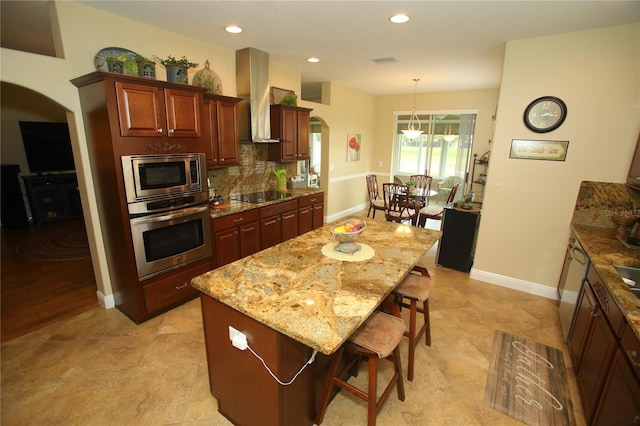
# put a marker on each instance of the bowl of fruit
(345, 233)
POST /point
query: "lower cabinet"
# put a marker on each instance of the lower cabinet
(236, 236)
(609, 388)
(175, 289)
(278, 223)
(311, 212)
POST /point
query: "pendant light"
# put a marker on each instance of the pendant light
(413, 131)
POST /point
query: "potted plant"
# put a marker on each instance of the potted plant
(176, 68)
(290, 99)
(114, 64)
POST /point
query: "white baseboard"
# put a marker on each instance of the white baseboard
(343, 213)
(514, 283)
(107, 302)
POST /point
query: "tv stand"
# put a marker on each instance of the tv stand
(53, 197)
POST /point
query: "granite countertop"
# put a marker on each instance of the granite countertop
(314, 299)
(605, 250)
(229, 206)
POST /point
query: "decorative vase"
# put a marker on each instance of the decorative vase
(624, 224)
(282, 184)
(147, 69)
(177, 74)
(209, 79)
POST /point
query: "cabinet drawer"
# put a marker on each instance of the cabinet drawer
(607, 302)
(311, 199)
(237, 219)
(173, 289)
(278, 208)
(631, 347)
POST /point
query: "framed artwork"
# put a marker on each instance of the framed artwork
(539, 150)
(353, 146)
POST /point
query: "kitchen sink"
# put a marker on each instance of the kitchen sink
(631, 277)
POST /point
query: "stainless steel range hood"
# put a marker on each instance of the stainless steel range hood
(252, 83)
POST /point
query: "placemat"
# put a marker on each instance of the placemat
(365, 253)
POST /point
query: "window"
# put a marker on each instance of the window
(442, 151)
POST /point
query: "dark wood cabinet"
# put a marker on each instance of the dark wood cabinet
(311, 212)
(291, 125)
(633, 178)
(278, 223)
(127, 115)
(582, 325)
(222, 140)
(236, 236)
(151, 111)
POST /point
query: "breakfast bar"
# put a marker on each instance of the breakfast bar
(289, 301)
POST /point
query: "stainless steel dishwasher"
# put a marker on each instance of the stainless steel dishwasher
(574, 271)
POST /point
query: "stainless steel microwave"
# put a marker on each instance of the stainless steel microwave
(151, 177)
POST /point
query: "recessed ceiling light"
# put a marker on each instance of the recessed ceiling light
(233, 29)
(313, 59)
(399, 19)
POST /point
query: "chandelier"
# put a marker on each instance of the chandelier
(412, 130)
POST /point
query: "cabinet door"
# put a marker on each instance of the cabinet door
(289, 134)
(210, 142)
(227, 246)
(303, 135)
(318, 215)
(183, 113)
(305, 219)
(289, 225)
(620, 401)
(249, 239)
(140, 110)
(582, 324)
(598, 353)
(228, 136)
(270, 231)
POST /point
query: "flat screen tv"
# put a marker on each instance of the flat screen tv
(48, 146)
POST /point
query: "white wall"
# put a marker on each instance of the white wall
(529, 203)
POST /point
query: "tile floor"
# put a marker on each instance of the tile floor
(99, 368)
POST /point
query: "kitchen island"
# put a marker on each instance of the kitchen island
(290, 300)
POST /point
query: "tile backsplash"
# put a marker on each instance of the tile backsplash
(254, 174)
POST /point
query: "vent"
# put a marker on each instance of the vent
(388, 60)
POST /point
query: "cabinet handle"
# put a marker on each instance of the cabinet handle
(159, 131)
(171, 131)
(238, 220)
(632, 357)
(180, 287)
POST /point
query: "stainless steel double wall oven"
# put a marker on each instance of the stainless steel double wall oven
(167, 201)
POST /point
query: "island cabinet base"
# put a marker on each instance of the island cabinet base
(247, 394)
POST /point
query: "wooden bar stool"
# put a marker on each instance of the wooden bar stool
(378, 337)
(415, 288)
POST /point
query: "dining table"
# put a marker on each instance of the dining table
(296, 303)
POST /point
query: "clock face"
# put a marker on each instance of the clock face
(545, 114)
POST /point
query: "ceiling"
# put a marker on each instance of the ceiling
(448, 45)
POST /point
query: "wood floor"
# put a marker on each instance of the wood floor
(34, 294)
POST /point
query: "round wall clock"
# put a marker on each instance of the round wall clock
(545, 114)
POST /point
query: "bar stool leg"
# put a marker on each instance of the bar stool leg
(398, 367)
(412, 339)
(373, 390)
(328, 386)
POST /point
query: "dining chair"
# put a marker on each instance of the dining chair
(397, 204)
(423, 188)
(436, 213)
(375, 200)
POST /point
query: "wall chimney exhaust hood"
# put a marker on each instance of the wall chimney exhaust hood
(252, 83)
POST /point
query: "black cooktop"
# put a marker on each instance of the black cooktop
(261, 197)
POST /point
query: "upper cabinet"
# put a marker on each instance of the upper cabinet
(290, 124)
(633, 179)
(143, 116)
(149, 111)
(222, 141)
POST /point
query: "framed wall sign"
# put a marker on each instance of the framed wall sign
(539, 150)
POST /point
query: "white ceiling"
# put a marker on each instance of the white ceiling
(449, 45)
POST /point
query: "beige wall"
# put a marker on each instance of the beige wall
(528, 203)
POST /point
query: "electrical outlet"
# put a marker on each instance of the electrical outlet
(238, 339)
